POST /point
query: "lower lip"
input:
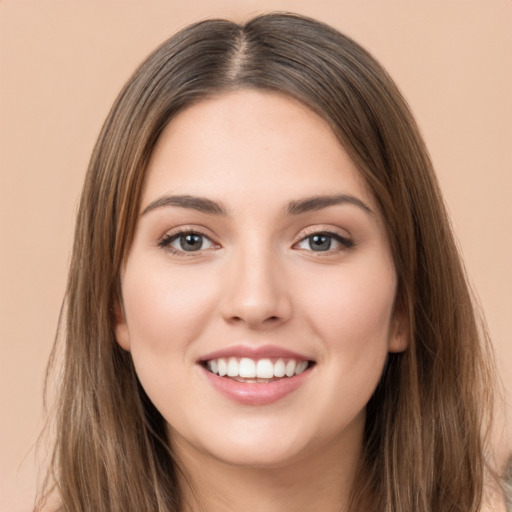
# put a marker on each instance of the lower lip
(253, 393)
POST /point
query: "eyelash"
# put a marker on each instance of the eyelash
(345, 243)
(166, 241)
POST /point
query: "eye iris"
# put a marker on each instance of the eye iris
(320, 242)
(191, 242)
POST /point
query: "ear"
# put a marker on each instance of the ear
(399, 332)
(121, 327)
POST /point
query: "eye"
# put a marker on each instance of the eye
(186, 241)
(324, 241)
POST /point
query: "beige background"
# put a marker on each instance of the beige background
(62, 64)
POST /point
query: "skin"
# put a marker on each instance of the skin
(256, 280)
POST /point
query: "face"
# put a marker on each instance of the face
(258, 293)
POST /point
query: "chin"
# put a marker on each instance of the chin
(256, 447)
(259, 457)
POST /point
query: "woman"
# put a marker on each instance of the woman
(266, 309)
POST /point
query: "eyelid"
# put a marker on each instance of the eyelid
(171, 235)
(344, 240)
(164, 242)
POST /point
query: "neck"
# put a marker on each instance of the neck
(316, 481)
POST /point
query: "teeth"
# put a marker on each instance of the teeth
(264, 369)
(223, 367)
(247, 368)
(301, 367)
(232, 367)
(279, 368)
(290, 368)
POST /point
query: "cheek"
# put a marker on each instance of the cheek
(353, 313)
(353, 321)
(165, 308)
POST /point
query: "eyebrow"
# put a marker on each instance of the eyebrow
(298, 207)
(200, 204)
(314, 203)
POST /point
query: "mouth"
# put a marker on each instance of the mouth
(256, 371)
(256, 376)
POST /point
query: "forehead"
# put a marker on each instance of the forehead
(250, 140)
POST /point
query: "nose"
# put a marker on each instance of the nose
(257, 294)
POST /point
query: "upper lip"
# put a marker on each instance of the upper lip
(254, 352)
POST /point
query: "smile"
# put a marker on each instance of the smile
(255, 376)
(250, 370)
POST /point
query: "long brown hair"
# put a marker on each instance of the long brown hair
(423, 442)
